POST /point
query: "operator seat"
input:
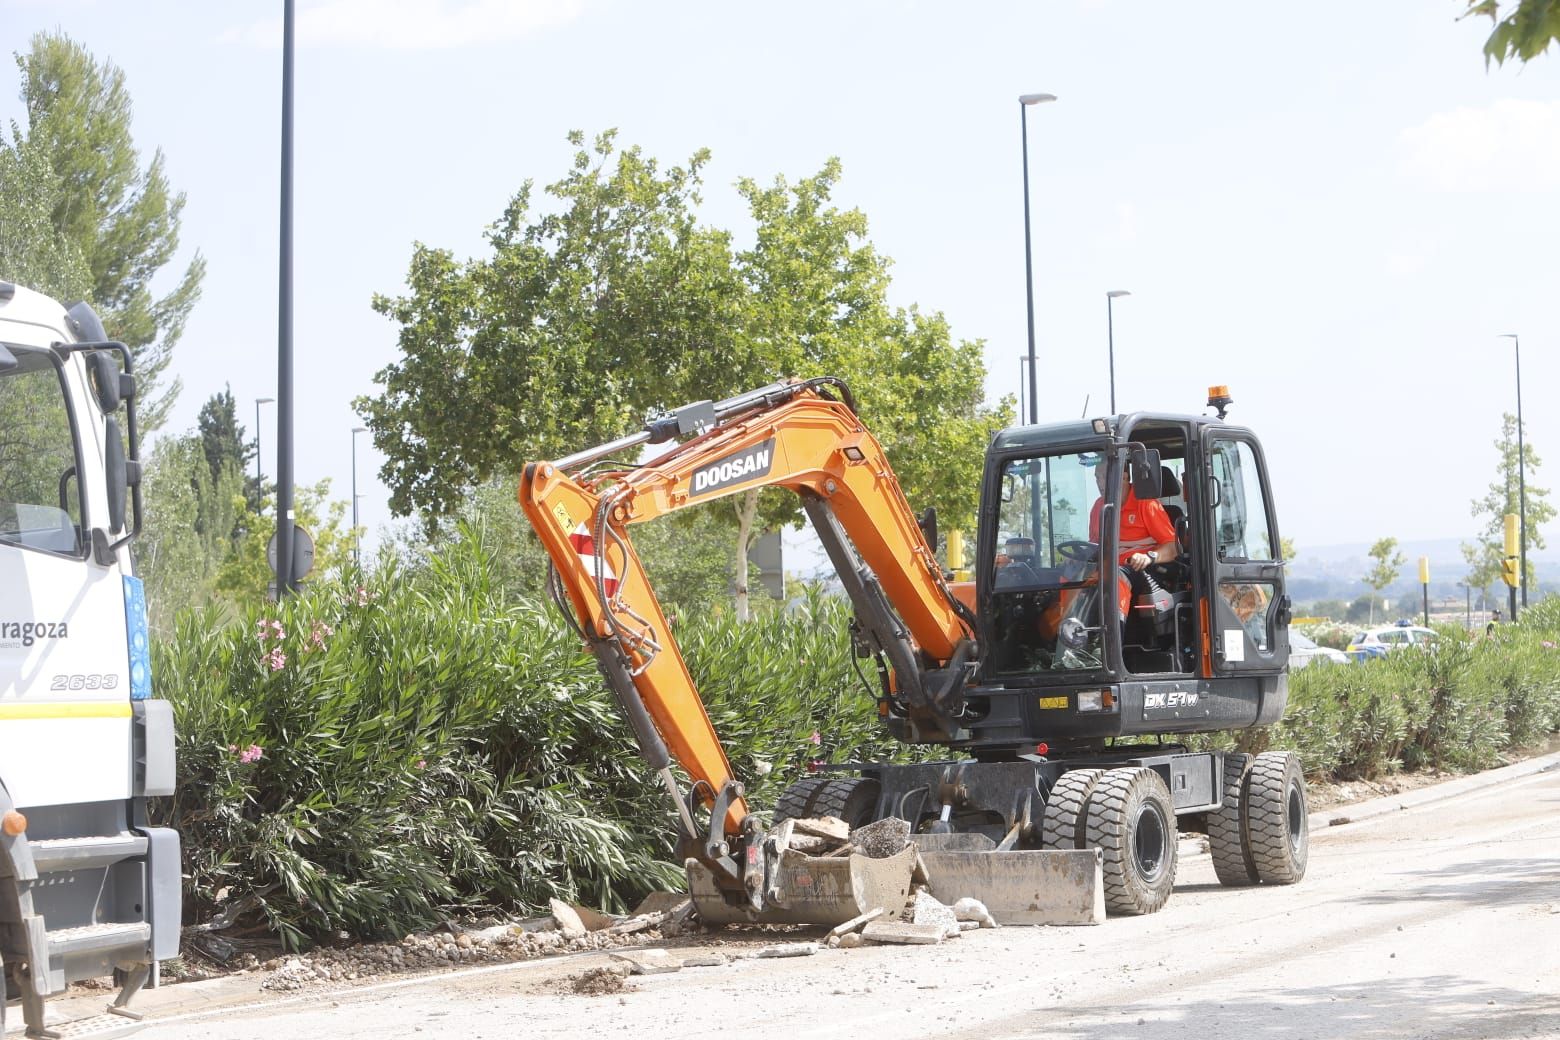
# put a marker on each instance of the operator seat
(1178, 571)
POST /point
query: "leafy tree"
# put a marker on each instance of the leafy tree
(121, 219)
(224, 443)
(622, 304)
(1389, 562)
(1484, 556)
(33, 252)
(1523, 30)
(192, 512)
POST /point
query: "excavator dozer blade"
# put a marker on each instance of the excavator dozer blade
(816, 890)
(1038, 887)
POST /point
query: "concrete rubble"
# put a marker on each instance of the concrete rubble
(880, 840)
(925, 909)
(902, 932)
(969, 910)
(800, 949)
(649, 962)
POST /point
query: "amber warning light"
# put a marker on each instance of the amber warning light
(1219, 398)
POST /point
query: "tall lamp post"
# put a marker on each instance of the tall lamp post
(1521, 477)
(258, 402)
(357, 539)
(1024, 101)
(1110, 334)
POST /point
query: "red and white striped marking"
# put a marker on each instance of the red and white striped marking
(586, 547)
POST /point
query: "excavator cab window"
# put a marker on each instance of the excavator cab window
(1046, 570)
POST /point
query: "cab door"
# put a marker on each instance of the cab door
(1249, 610)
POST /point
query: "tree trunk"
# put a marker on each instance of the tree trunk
(747, 510)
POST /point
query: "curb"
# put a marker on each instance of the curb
(1342, 815)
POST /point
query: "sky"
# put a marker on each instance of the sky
(1334, 208)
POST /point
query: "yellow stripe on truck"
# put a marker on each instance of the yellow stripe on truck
(65, 710)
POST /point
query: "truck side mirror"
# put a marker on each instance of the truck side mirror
(106, 385)
(1147, 480)
(117, 473)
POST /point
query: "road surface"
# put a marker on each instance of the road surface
(1441, 921)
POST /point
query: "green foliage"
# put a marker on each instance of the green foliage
(364, 760)
(33, 252)
(1389, 562)
(583, 322)
(192, 511)
(246, 575)
(1524, 31)
(108, 217)
(1505, 496)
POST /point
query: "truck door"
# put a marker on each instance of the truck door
(1248, 608)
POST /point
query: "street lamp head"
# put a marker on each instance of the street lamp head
(1035, 99)
(1508, 335)
(265, 400)
(1117, 293)
(360, 429)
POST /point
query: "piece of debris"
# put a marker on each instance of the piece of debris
(660, 902)
(927, 910)
(969, 909)
(883, 838)
(856, 922)
(708, 959)
(599, 981)
(900, 932)
(801, 949)
(851, 940)
(831, 828)
(968, 926)
(649, 962)
(593, 920)
(569, 922)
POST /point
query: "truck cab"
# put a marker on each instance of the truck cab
(87, 887)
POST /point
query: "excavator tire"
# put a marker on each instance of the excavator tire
(1227, 838)
(1276, 818)
(1131, 820)
(1064, 824)
(852, 799)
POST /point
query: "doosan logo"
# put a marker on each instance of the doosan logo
(26, 633)
(754, 462)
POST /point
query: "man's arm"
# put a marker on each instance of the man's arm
(1162, 530)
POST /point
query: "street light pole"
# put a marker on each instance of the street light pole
(1521, 478)
(1110, 333)
(1024, 101)
(357, 539)
(258, 402)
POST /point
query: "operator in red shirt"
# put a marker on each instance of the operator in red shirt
(1147, 534)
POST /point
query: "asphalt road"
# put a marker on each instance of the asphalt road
(1441, 921)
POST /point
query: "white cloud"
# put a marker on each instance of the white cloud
(1510, 145)
(411, 24)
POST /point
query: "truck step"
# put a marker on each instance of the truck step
(55, 854)
(95, 1027)
(93, 937)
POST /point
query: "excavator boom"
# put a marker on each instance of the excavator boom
(801, 435)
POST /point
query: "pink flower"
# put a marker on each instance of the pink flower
(233, 748)
(318, 633)
(276, 659)
(422, 763)
(252, 753)
(1548, 645)
(361, 596)
(815, 738)
(268, 628)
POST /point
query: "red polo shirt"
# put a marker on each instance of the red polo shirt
(1144, 525)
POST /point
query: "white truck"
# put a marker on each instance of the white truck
(87, 887)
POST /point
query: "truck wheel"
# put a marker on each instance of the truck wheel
(853, 799)
(1064, 823)
(1227, 839)
(1132, 821)
(1276, 824)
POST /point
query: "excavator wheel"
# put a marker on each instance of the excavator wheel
(1228, 841)
(1132, 821)
(852, 799)
(1064, 823)
(1276, 822)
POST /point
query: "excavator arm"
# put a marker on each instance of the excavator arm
(799, 434)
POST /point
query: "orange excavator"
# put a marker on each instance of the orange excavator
(1029, 671)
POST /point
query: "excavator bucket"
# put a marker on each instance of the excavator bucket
(1050, 886)
(816, 890)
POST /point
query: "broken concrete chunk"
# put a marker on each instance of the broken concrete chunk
(968, 926)
(704, 960)
(899, 932)
(638, 923)
(801, 949)
(851, 940)
(660, 902)
(810, 844)
(568, 921)
(593, 920)
(856, 922)
(927, 910)
(968, 909)
(880, 840)
(649, 962)
(830, 827)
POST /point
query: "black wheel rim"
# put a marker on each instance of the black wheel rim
(1149, 842)
(1296, 816)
